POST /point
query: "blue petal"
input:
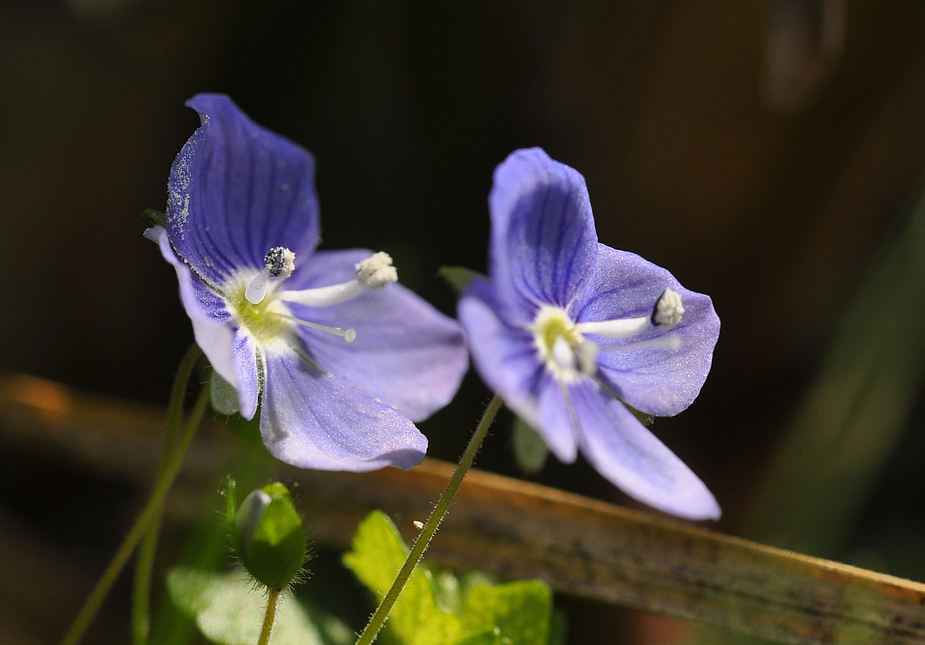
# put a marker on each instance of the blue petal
(314, 420)
(543, 241)
(630, 456)
(235, 191)
(245, 363)
(658, 381)
(210, 318)
(406, 353)
(506, 359)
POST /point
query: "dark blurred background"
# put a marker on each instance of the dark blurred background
(767, 153)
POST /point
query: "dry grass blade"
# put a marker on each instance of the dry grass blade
(516, 529)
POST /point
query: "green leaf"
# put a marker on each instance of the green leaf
(416, 619)
(521, 611)
(156, 216)
(516, 613)
(228, 610)
(530, 450)
(460, 277)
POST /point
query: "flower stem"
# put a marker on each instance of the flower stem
(144, 562)
(150, 512)
(270, 617)
(430, 527)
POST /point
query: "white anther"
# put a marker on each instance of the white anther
(376, 271)
(668, 309)
(348, 335)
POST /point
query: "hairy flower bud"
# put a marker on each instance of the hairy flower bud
(268, 538)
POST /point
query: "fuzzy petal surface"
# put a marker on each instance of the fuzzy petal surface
(506, 359)
(311, 419)
(235, 191)
(543, 241)
(660, 381)
(206, 310)
(406, 353)
(626, 453)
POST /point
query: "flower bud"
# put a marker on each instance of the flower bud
(268, 537)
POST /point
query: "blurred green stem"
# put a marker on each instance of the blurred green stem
(144, 563)
(151, 511)
(430, 527)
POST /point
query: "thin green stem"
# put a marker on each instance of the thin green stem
(270, 617)
(150, 512)
(144, 562)
(430, 527)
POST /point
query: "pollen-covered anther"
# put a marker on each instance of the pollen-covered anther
(280, 262)
(279, 265)
(376, 271)
(668, 309)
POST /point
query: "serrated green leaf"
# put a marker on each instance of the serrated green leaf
(521, 611)
(156, 216)
(416, 619)
(228, 610)
(460, 277)
(530, 450)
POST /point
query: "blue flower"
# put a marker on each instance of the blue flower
(568, 330)
(339, 357)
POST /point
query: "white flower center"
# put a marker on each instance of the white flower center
(260, 306)
(568, 354)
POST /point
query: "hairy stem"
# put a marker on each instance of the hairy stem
(141, 525)
(430, 527)
(269, 617)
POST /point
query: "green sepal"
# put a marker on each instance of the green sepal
(530, 449)
(156, 216)
(643, 418)
(460, 277)
(268, 538)
(223, 396)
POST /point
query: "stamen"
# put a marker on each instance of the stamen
(623, 328)
(667, 313)
(348, 335)
(668, 309)
(280, 263)
(671, 341)
(586, 351)
(376, 271)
